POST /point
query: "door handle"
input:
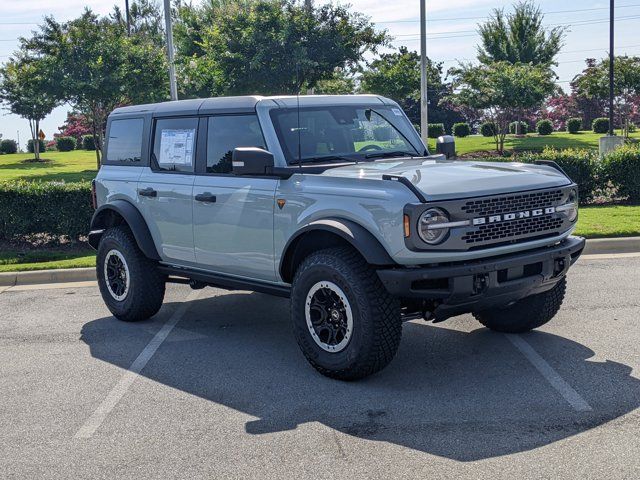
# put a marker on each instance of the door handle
(206, 197)
(147, 192)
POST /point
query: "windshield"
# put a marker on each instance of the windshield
(344, 133)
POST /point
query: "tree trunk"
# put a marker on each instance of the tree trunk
(36, 145)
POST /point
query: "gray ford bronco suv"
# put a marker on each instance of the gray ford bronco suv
(335, 203)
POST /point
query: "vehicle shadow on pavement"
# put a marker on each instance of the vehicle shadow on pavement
(458, 394)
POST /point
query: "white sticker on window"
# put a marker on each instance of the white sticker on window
(176, 146)
(397, 111)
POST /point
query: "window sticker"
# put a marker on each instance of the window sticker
(176, 146)
(397, 111)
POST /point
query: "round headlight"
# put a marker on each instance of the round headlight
(428, 226)
(570, 208)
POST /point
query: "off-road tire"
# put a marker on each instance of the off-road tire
(377, 325)
(146, 284)
(526, 314)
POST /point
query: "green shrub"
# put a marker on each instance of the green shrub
(487, 129)
(54, 208)
(382, 133)
(435, 130)
(600, 125)
(524, 128)
(544, 127)
(632, 128)
(88, 142)
(65, 144)
(8, 146)
(43, 146)
(622, 169)
(461, 129)
(574, 125)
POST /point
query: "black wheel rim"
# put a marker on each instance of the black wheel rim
(329, 317)
(116, 273)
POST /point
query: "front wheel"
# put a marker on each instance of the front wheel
(526, 314)
(130, 284)
(346, 324)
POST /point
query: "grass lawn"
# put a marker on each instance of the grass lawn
(62, 166)
(594, 222)
(609, 221)
(533, 141)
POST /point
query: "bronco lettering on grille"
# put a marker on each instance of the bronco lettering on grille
(505, 217)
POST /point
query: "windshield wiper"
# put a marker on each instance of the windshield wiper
(395, 153)
(324, 158)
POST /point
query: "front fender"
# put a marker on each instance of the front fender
(356, 235)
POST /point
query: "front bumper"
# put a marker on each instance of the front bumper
(464, 287)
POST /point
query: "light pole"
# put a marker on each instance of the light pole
(126, 7)
(424, 129)
(611, 60)
(173, 88)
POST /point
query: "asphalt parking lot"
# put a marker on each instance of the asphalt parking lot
(217, 388)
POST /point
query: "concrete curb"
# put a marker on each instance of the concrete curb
(8, 279)
(612, 245)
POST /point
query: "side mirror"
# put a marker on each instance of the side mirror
(251, 161)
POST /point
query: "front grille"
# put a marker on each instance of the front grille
(512, 229)
(512, 203)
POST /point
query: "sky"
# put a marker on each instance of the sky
(451, 33)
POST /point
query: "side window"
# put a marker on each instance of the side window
(125, 140)
(228, 132)
(174, 144)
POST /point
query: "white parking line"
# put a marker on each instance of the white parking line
(568, 393)
(117, 392)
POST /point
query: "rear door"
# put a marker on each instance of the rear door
(233, 216)
(165, 189)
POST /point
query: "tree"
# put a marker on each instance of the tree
(76, 125)
(267, 46)
(397, 75)
(519, 37)
(27, 86)
(502, 89)
(101, 67)
(341, 83)
(593, 83)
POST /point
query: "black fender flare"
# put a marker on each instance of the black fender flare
(355, 234)
(133, 218)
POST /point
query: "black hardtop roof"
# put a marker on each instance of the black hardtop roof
(242, 104)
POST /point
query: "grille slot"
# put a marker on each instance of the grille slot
(513, 228)
(512, 203)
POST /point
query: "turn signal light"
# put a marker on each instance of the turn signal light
(407, 226)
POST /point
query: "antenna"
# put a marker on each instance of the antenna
(298, 114)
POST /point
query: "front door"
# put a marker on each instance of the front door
(233, 216)
(165, 189)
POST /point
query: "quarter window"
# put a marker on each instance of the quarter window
(125, 140)
(228, 132)
(174, 144)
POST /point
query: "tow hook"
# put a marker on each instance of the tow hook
(480, 283)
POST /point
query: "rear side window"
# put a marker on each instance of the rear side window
(225, 133)
(174, 144)
(125, 140)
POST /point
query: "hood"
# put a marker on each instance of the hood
(443, 179)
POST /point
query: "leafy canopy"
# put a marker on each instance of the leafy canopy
(267, 46)
(397, 75)
(501, 89)
(519, 37)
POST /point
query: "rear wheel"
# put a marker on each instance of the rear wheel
(130, 283)
(346, 323)
(526, 314)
